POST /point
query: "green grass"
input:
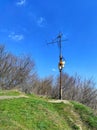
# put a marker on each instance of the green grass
(87, 115)
(35, 113)
(9, 93)
(29, 114)
(64, 111)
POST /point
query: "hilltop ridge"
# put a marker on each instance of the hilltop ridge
(32, 112)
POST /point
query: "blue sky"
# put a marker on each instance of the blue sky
(27, 25)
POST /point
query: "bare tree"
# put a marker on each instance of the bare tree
(74, 88)
(20, 72)
(89, 93)
(14, 71)
(44, 86)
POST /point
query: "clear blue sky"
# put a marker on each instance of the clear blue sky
(26, 25)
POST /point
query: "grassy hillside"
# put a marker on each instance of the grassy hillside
(35, 113)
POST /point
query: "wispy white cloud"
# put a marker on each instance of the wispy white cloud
(41, 22)
(16, 37)
(53, 69)
(20, 2)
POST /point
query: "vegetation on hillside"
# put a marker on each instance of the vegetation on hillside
(19, 72)
(35, 113)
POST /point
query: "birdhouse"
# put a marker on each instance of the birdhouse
(61, 65)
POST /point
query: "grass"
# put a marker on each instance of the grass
(9, 93)
(36, 113)
(87, 115)
(29, 114)
(66, 111)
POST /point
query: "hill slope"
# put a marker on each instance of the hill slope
(35, 113)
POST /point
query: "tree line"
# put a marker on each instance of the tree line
(19, 72)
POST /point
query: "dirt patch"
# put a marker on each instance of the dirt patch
(59, 101)
(11, 97)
